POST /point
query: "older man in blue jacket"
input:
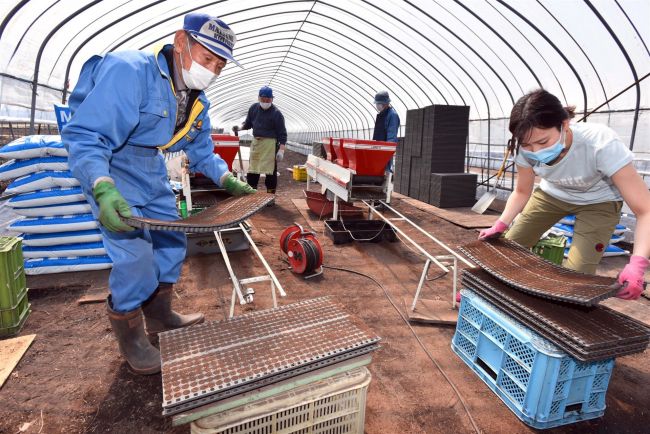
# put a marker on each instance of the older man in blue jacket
(127, 107)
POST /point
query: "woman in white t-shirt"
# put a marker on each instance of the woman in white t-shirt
(586, 170)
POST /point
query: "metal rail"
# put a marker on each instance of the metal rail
(453, 258)
(410, 240)
(437, 241)
(237, 283)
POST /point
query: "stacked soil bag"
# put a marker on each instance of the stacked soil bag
(565, 227)
(58, 229)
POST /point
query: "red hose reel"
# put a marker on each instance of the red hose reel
(303, 249)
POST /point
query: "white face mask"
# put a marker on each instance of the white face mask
(198, 77)
(265, 105)
(380, 107)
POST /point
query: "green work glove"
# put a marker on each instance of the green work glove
(111, 206)
(236, 187)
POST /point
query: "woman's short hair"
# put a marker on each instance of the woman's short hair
(537, 109)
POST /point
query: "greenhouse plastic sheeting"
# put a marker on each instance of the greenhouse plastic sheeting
(326, 59)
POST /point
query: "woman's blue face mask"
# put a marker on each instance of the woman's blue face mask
(548, 154)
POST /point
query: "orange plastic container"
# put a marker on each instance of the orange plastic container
(227, 147)
(341, 158)
(368, 157)
(320, 205)
(328, 143)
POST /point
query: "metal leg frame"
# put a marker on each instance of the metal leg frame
(237, 283)
(241, 175)
(389, 186)
(444, 262)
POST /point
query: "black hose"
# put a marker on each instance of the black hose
(435, 362)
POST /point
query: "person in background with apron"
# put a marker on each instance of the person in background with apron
(387, 122)
(126, 108)
(269, 139)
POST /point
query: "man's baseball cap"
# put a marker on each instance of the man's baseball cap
(212, 33)
(266, 92)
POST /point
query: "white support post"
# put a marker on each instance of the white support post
(185, 182)
(425, 270)
(275, 299)
(236, 287)
(336, 208)
(389, 186)
(241, 174)
(266, 265)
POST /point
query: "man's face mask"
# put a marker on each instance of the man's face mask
(548, 154)
(379, 107)
(265, 105)
(198, 76)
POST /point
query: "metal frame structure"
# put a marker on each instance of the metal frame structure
(327, 60)
(340, 182)
(237, 282)
(442, 261)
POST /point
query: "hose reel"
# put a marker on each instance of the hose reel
(303, 250)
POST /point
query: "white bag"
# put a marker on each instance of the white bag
(54, 210)
(50, 196)
(43, 225)
(42, 180)
(17, 168)
(65, 250)
(33, 147)
(58, 238)
(64, 265)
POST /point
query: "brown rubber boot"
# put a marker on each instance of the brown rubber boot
(143, 358)
(160, 317)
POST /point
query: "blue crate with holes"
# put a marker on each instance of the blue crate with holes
(541, 384)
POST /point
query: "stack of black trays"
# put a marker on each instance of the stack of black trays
(578, 325)
(434, 144)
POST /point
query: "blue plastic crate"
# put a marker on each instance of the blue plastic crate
(541, 384)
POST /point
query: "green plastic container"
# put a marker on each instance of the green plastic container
(14, 306)
(551, 248)
(13, 319)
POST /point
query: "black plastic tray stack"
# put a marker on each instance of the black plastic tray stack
(522, 269)
(452, 190)
(434, 144)
(572, 321)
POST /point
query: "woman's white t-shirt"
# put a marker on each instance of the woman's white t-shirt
(583, 175)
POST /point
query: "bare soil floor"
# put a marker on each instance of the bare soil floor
(73, 380)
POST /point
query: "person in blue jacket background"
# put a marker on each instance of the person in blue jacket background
(269, 140)
(387, 122)
(126, 108)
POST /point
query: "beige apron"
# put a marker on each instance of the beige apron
(262, 159)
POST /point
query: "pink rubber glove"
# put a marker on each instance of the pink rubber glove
(494, 232)
(632, 278)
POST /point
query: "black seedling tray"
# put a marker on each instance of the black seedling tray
(341, 232)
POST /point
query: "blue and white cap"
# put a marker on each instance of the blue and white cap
(212, 33)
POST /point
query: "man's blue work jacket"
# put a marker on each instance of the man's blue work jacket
(386, 125)
(127, 99)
